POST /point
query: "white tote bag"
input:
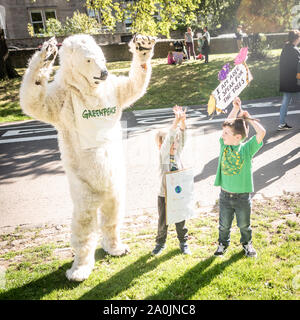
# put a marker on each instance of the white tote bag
(179, 195)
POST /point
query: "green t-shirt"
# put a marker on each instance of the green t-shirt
(234, 173)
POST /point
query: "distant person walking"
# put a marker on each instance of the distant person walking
(205, 49)
(239, 37)
(289, 75)
(206, 43)
(189, 42)
(206, 35)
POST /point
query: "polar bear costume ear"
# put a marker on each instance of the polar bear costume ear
(66, 51)
(78, 43)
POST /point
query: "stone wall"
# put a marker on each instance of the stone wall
(120, 52)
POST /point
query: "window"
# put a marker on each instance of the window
(94, 14)
(50, 14)
(39, 17)
(37, 21)
(128, 24)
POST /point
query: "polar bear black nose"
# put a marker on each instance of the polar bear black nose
(104, 75)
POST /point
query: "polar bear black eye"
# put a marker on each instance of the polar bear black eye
(88, 60)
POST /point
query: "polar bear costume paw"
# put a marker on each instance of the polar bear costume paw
(119, 250)
(45, 59)
(142, 46)
(79, 273)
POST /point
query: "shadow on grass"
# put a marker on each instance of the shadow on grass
(37, 289)
(125, 278)
(195, 279)
(108, 289)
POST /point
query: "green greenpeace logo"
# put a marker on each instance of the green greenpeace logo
(86, 114)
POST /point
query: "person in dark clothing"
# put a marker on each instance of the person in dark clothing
(6, 67)
(239, 37)
(289, 75)
(205, 49)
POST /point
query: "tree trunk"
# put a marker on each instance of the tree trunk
(6, 68)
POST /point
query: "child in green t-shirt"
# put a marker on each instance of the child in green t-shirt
(234, 175)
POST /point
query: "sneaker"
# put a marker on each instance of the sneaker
(158, 249)
(284, 127)
(184, 248)
(221, 250)
(249, 250)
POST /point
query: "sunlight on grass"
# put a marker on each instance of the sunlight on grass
(188, 84)
(35, 273)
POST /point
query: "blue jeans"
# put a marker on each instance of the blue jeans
(287, 97)
(240, 204)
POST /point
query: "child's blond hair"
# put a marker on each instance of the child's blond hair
(160, 136)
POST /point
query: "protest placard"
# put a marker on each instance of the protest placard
(235, 82)
(179, 195)
(232, 83)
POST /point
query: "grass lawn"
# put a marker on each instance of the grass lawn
(36, 272)
(188, 84)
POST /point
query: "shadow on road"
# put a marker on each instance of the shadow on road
(25, 159)
(274, 170)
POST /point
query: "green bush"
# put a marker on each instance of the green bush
(258, 46)
(81, 23)
(53, 28)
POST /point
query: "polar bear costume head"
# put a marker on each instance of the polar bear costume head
(82, 61)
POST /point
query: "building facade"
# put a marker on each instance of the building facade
(15, 15)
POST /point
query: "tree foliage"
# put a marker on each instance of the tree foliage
(81, 23)
(265, 15)
(218, 14)
(154, 17)
(150, 17)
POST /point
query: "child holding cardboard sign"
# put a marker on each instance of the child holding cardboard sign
(170, 144)
(234, 175)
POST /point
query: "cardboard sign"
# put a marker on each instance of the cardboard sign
(179, 195)
(236, 81)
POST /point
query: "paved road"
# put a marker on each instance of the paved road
(34, 188)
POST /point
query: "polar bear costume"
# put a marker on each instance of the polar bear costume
(85, 103)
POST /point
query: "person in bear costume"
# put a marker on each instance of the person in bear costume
(84, 102)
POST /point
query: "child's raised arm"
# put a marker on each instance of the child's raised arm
(177, 111)
(259, 129)
(182, 119)
(237, 107)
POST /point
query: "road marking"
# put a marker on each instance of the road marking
(54, 136)
(7, 127)
(19, 132)
(261, 105)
